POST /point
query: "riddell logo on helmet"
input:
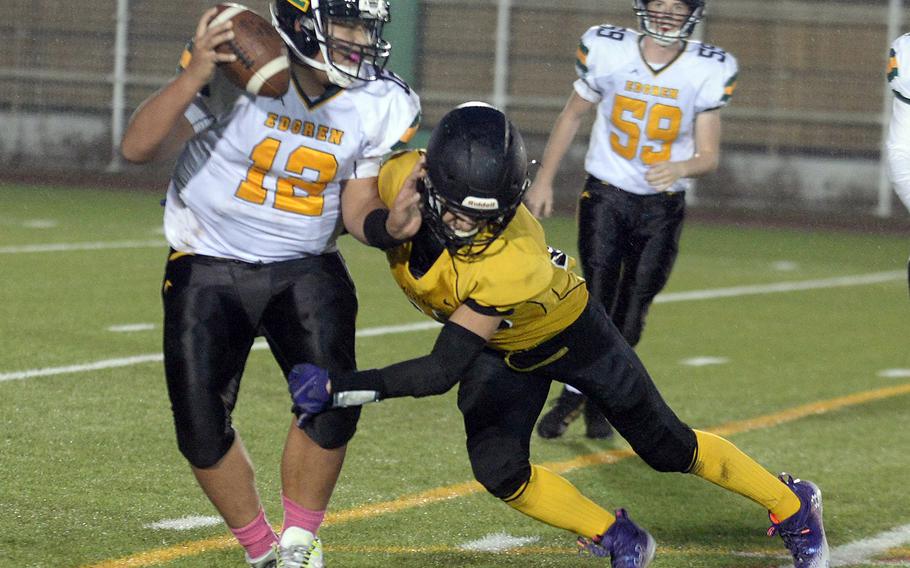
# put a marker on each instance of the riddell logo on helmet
(481, 203)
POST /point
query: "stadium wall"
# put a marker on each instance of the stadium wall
(803, 132)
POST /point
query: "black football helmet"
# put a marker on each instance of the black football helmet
(477, 168)
(650, 27)
(315, 33)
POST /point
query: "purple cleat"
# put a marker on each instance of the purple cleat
(627, 544)
(804, 533)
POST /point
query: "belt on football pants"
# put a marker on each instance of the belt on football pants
(544, 353)
(608, 185)
(212, 260)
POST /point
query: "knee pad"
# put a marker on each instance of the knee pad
(204, 451)
(504, 483)
(671, 452)
(501, 472)
(335, 428)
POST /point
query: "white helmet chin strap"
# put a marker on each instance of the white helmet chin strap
(335, 76)
(663, 39)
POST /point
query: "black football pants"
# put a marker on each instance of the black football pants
(500, 403)
(627, 245)
(215, 308)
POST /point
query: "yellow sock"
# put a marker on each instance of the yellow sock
(552, 499)
(722, 463)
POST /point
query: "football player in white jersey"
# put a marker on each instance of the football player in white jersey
(252, 214)
(658, 97)
(898, 145)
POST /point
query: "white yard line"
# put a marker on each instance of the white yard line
(185, 523)
(65, 247)
(498, 542)
(704, 361)
(772, 288)
(863, 551)
(96, 366)
(131, 327)
(894, 373)
(158, 357)
(392, 329)
(779, 287)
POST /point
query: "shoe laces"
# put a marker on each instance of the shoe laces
(796, 540)
(295, 556)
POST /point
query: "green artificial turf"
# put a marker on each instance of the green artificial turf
(88, 457)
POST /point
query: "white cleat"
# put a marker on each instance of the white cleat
(267, 560)
(299, 548)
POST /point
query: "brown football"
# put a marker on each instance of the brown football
(262, 66)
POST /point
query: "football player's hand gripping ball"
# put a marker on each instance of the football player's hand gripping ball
(308, 385)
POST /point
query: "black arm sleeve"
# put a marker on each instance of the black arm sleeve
(436, 373)
(375, 232)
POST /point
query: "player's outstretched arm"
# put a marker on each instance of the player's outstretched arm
(463, 337)
(539, 197)
(157, 130)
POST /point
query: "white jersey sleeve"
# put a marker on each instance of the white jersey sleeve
(390, 128)
(590, 59)
(899, 67)
(898, 144)
(718, 88)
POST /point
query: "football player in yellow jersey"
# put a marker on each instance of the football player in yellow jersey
(515, 318)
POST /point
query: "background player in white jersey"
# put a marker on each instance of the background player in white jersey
(898, 146)
(252, 214)
(658, 97)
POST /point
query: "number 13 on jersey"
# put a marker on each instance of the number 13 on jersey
(659, 124)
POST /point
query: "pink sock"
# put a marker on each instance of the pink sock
(257, 537)
(297, 516)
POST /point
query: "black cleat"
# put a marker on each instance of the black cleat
(567, 409)
(596, 425)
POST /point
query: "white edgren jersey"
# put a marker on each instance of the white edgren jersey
(899, 67)
(898, 144)
(261, 180)
(646, 115)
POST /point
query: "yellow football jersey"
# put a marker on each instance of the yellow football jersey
(537, 292)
